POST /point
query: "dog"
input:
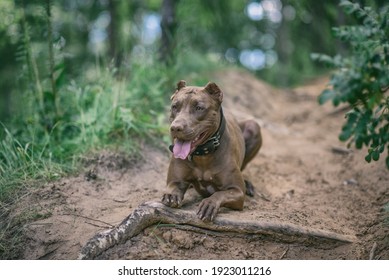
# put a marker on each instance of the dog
(209, 151)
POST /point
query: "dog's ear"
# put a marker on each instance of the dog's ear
(214, 91)
(181, 84)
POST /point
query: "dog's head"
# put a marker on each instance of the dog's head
(194, 116)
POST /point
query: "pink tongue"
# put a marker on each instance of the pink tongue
(181, 149)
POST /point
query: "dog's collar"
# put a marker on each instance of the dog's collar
(212, 144)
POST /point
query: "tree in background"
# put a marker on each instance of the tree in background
(169, 29)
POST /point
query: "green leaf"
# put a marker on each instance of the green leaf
(349, 7)
(59, 66)
(315, 56)
(368, 158)
(359, 142)
(325, 59)
(345, 135)
(326, 95)
(60, 80)
(336, 101)
(375, 155)
(352, 117)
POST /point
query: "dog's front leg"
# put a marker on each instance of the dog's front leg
(232, 198)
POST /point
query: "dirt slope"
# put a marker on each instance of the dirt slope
(298, 178)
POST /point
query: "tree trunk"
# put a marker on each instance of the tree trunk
(114, 34)
(169, 28)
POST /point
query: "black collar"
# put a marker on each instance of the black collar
(212, 144)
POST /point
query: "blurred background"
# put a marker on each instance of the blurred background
(272, 38)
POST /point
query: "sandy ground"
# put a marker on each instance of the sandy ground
(298, 178)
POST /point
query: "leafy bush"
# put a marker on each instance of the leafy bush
(362, 79)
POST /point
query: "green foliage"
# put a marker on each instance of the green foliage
(362, 79)
(95, 113)
(110, 109)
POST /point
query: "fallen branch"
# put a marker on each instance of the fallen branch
(48, 253)
(95, 225)
(372, 251)
(88, 218)
(341, 150)
(151, 213)
(284, 254)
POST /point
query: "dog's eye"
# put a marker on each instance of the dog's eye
(174, 107)
(199, 108)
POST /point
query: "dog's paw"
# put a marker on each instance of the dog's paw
(208, 209)
(171, 200)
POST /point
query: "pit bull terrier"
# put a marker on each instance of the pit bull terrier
(210, 149)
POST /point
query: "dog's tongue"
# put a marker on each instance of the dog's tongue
(181, 149)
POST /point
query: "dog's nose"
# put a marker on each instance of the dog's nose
(176, 128)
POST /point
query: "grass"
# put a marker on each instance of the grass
(22, 163)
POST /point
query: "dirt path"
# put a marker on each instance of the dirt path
(298, 177)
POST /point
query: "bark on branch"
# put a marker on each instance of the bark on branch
(150, 213)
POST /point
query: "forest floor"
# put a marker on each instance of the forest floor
(302, 175)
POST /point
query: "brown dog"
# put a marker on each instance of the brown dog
(210, 149)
